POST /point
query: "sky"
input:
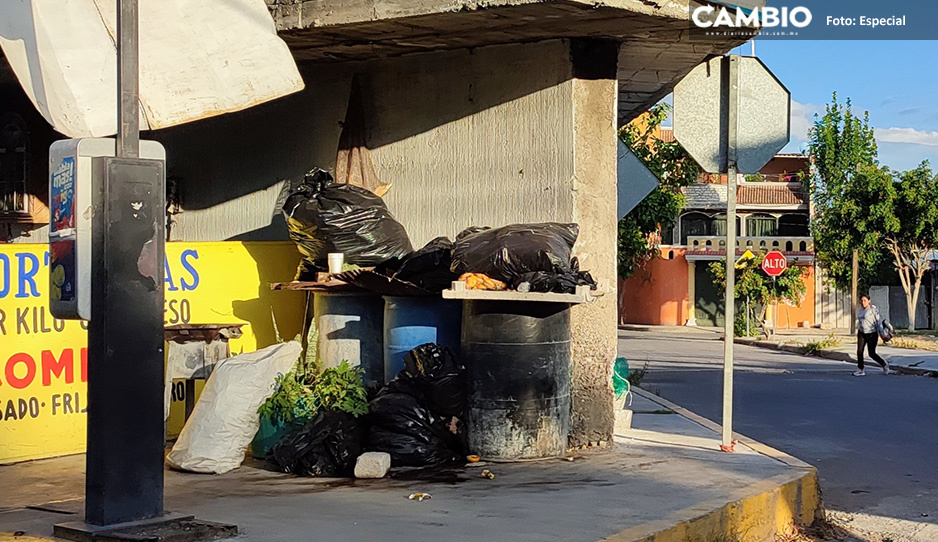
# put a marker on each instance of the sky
(896, 81)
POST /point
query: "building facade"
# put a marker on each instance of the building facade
(773, 213)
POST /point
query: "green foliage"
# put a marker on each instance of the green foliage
(847, 188)
(757, 289)
(638, 231)
(341, 388)
(293, 402)
(884, 215)
(740, 327)
(754, 178)
(300, 396)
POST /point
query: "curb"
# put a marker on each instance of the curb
(766, 509)
(829, 354)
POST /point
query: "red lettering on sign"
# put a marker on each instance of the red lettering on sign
(52, 367)
(10, 373)
(84, 364)
(774, 263)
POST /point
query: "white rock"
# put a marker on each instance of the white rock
(372, 465)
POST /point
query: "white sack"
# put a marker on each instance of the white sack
(225, 419)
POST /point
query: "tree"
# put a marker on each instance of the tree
(842, 148)
(911, 230)
(861, 205)
(756, 290)
(639, 237)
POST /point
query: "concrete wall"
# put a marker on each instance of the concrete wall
(490, 143)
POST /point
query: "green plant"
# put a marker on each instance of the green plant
(292, 403)
(639, 236)
(754, 289)
(637, 375)
(742, 329)
(813, 347)
(300, 396)
(341, 388)
(754, 178)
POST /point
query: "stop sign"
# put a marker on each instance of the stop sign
(774, 263)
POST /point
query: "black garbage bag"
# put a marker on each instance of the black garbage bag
(428, 268)
(324, 216)
(400, 425)
(558, 281)
(433, 375)
(417, 417)
(539, 254)
(326, 446)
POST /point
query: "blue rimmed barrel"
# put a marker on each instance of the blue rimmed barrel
(350, 326)
(517, 358)
(410, 321)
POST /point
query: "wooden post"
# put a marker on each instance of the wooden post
(855, 270)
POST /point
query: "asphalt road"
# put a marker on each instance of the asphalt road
(874, 439)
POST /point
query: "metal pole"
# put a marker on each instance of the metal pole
(128, 80)
(730, 302)
(855, 270)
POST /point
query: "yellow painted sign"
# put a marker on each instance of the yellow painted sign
(43, 361)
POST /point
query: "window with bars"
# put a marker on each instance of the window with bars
(14, 153)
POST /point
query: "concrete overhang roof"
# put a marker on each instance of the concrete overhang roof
(657, 50)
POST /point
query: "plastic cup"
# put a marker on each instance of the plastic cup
(336, 259)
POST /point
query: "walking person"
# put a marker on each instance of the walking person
(869, 322)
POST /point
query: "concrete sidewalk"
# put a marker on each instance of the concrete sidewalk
(663, 480)
(903, 360)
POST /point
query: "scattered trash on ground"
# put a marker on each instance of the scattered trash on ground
(419, 496)
(487, 474)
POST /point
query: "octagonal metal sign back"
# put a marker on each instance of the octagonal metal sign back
(701, 114)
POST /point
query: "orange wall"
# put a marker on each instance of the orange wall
(656, 293)
(788, 316)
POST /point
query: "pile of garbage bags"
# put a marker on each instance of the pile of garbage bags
(417, 418)
(532, 257)
(324, 216)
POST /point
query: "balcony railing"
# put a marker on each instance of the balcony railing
(701, 243)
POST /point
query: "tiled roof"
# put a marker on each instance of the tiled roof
(771, 195)
(705, 196)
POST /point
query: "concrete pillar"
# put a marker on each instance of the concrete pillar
(594, 332)
(691, 293)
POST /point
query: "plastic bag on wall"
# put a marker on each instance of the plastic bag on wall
(324, 216)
